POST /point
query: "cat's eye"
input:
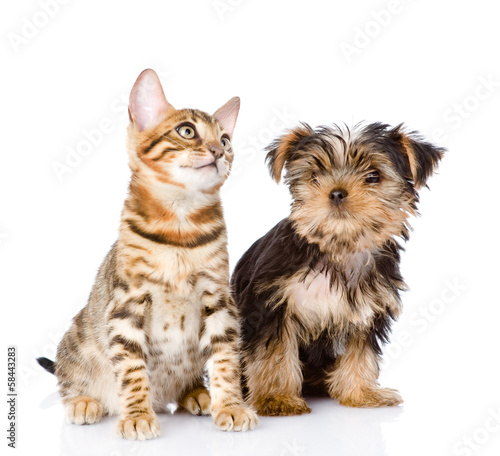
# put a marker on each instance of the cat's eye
(226, 144)
(187, 131)
(373, 177)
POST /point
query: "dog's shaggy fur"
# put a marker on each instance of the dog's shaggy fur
(317, 294)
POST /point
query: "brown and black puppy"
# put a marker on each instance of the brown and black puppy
(317, 294)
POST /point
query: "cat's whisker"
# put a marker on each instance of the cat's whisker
(228, 168)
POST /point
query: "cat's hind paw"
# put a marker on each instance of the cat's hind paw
(83, 410)
(197, 402)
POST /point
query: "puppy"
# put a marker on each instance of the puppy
(318, 293)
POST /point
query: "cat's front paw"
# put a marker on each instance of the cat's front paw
(142, 427)
(235, 418)
(373, 397)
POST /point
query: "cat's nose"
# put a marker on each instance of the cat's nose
(216, 150)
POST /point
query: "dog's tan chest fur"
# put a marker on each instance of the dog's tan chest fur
(317, 304)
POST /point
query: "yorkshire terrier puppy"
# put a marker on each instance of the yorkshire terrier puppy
(317, 294)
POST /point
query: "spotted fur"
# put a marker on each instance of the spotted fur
(161, 311)
(317, 294)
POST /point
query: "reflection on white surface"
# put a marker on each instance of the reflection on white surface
(329, 429)
(344, 431)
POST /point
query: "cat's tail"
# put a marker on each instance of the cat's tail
(47, 364)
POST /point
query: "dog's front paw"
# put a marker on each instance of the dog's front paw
(235, 418)
(373, 397)
(142, 427)
(281, 405)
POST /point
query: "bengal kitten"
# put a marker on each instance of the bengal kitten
(161, 310)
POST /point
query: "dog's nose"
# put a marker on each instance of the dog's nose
(337, 196)
(216, 150)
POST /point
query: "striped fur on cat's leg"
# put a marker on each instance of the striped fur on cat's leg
(127, 342)
(221, 338)
(81, 378)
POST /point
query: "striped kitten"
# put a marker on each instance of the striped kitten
(161, 310)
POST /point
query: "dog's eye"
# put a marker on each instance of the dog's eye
(373, 177)
(187, 131)
(314, 180)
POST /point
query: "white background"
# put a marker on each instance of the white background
(424, 62)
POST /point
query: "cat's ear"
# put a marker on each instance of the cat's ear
(148, 105)
(227, 115)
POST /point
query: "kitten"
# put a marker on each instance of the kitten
(161, 309)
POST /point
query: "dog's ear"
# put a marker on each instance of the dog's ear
(422, 157)
(281, 149)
